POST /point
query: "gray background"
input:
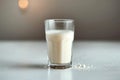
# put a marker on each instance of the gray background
(94, 19)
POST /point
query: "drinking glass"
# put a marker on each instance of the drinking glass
(59, 37)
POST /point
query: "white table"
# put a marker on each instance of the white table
(27, 60)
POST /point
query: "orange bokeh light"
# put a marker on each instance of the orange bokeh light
(23, 3)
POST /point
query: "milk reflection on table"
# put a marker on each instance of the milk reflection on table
(60, 74)
(60, 45)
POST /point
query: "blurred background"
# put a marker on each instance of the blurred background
(94, 19)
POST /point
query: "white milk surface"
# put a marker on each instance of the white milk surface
(59, 45)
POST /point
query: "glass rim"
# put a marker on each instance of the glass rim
(59, 20)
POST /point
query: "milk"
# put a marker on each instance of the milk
(59, 45)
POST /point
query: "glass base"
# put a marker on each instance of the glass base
(60, 66)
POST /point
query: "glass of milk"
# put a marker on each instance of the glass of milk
(59, 37)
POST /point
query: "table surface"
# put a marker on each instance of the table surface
(92, 60)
